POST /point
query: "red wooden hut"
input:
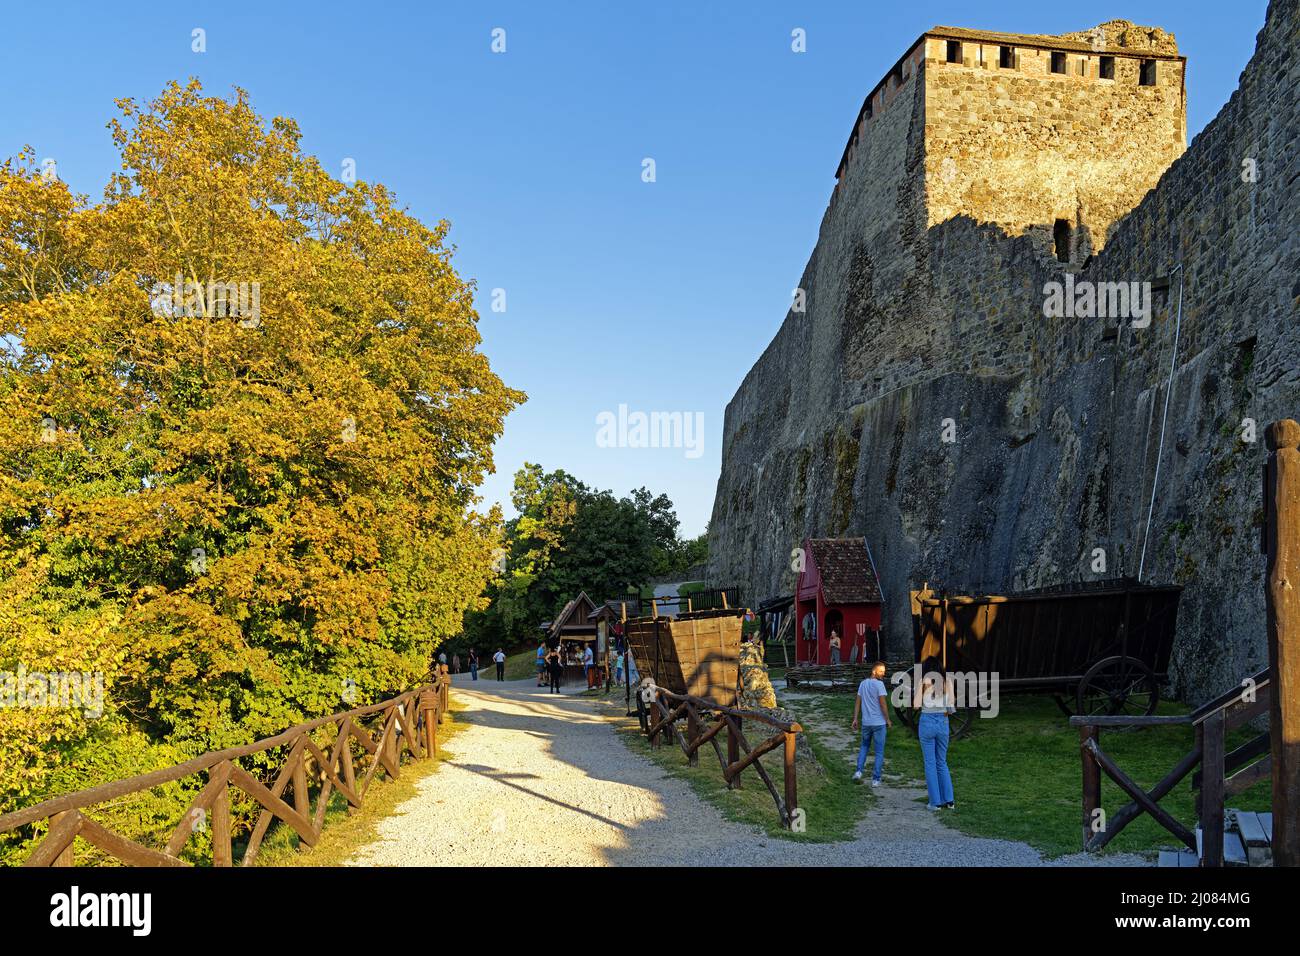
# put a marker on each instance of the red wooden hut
(838, 591)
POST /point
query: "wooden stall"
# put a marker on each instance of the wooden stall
(838, 592)
(572, 631)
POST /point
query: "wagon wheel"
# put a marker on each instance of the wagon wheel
(1118, 685)
(961, 722)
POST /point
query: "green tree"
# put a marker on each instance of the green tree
(232, 512)
(568, 538)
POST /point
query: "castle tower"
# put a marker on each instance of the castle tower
(1053, 136)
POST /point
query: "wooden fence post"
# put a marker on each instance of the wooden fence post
(429, 711)
(1282, 542)
(1091, 781)
(791, 784)
(222, 854)
(349, 769)
(733, 749)
(301, 803)
(1212, 758)
(67, 857)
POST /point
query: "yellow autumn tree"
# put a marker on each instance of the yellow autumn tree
(244, 413)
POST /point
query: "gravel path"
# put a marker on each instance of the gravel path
(541, 779)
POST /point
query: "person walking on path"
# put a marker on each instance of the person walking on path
(455, 663)
(541, 663)
(500, 658)
(835, 646)
(473, 664)
(934, 697)
(873, 710)
(555, 669)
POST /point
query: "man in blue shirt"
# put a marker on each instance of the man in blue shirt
(873, 710)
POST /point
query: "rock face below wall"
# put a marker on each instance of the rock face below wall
(920, 330)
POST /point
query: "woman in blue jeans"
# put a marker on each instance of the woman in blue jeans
(935, 699)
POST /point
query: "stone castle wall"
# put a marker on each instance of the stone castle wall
(916, 320)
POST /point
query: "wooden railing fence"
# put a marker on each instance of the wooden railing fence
(705, 721)
(1222, 774)
(405, 724)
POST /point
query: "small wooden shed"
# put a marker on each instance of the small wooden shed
(838, 591)
(572, 623)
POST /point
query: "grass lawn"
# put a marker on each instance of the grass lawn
(1018, 776)
(832, 804)
(344, 834)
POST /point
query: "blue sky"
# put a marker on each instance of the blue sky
(655, 295)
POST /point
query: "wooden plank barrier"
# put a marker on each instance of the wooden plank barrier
(406, 724)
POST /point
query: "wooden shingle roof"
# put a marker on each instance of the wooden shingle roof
(847, 574)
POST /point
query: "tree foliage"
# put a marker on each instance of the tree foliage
(234, 518)
(568, 538)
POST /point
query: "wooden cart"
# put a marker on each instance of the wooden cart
(696, 653)
(1097, 648)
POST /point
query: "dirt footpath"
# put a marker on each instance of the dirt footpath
(542, 780)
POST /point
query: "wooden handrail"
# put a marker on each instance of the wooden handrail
(402, 713)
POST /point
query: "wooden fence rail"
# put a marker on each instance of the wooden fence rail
(1221, 775)
(406, 723)
(705, 722)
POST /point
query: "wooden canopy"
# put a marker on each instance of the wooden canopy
(572, 623)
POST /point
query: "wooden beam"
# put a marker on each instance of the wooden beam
(264, 819)
(222, 854)
(120, 848)
(1282, 530)
(1141, 797)
(253, 787)
(51, 851)
(218, 778)
(1211, 812)
(1131, 811)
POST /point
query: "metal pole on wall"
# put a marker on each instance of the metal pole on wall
(1282, 545)
(1164, 418)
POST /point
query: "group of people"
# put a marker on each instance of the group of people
(934, 699)
(499, 658)
(551, 663)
